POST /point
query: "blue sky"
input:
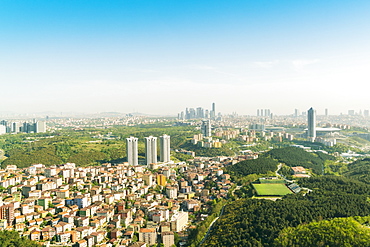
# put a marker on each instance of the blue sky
(162, 56)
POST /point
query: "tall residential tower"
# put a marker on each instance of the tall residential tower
(164, 148)
(131, 150)
(151, 149)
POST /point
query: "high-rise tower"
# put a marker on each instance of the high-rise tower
(151, 149)
(131, 150)
(206, 128)
(164, 148)
(213, 111)
(311, 118)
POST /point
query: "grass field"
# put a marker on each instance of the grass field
(271, 189)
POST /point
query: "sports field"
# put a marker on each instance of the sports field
(271, 189)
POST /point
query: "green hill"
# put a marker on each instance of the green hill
(331, 233)
(293, 156)
(257, 222)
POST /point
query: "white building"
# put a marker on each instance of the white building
(151, 150)
(2, 129)
(311, 117)
(131, 151)
(164, 148)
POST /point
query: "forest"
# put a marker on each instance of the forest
(259, 222)
(293, 156)
(261, 165)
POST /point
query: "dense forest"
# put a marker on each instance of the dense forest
(257, 166)
(336, 232)
(293, 156)
(359, 170)
(259, 222)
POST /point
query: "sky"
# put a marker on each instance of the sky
(159, 57)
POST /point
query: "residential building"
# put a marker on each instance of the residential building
(164, 148)
(151, 150)
(131, 150)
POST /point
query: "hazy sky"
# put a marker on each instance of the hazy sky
(160, 56)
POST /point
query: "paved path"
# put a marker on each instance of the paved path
(210, 226)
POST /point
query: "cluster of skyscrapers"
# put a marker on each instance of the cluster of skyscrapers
(198, 113)
(365, 113)
(263, 113)
(26, 127)
(150, 149)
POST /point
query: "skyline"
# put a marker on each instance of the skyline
(159, 58)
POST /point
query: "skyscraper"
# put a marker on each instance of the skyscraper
(40, 127)
(151, 149)
(213, 111)
(311, 117)
(206, 128)
(131, 150)
(164, 148)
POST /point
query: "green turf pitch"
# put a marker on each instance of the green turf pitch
(271, 189)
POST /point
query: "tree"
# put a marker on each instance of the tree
(12, 239)
(336, 232)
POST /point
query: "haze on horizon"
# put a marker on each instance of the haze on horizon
(159, 57)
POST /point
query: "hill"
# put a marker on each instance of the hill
(331, 233)
(293, 156)
(257, 222)
(359, 170)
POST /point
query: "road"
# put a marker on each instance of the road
(210, 226)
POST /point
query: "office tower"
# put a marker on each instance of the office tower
(164, 148)
(366, 113)
(16, 127)
(200, 112)
(206, 128)
(311, 117)
(131, 151)
(40, 127)
(326, 112)
(258, 112)
(206, 114)
(213, 111)
(351, 112)
(151, 150)
(296, 112)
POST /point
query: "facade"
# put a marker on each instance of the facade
(131, 150)
(148, 235)
(311, 118)
(168, 239)
(151, 150)
(40, 127)
(164, 148)
(7, 213)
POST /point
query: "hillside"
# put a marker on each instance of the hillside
(293, 156)
(256, 222)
